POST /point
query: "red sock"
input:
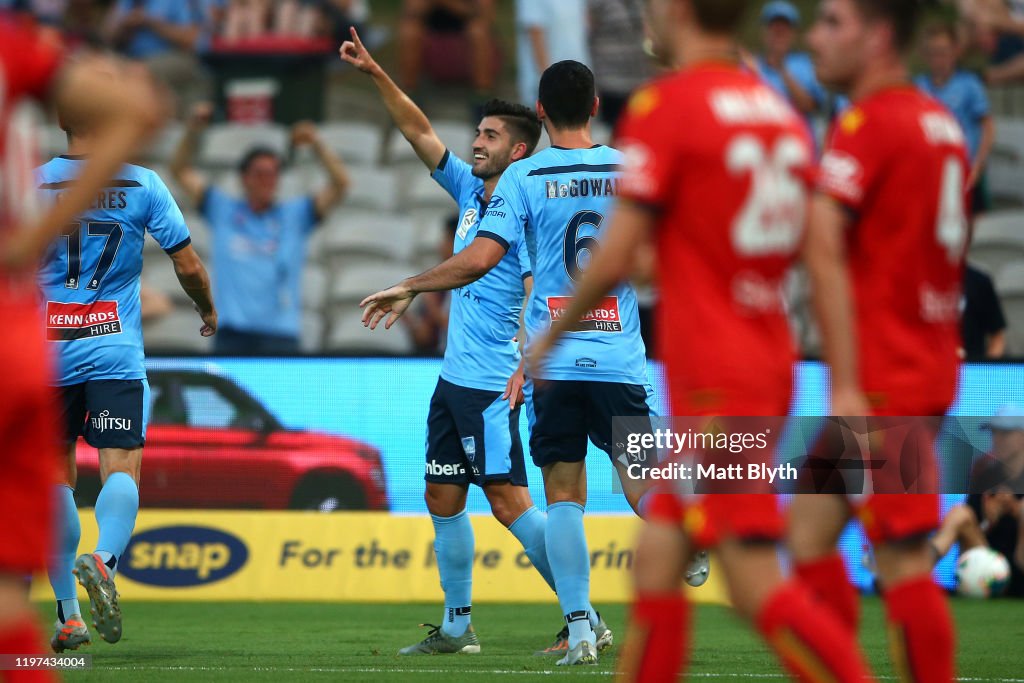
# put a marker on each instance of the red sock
(921, 637)
(811, 642)
(23, 638)
(826, 580)
(658, 644)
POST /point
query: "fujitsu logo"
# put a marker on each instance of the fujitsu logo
(103, 422)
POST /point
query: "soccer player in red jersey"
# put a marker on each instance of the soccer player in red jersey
(718, 173)
(885, 253)
(31, 66)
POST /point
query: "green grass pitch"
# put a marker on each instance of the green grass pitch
(349, 642)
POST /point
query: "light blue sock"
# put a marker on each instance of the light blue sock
(529, 530)
(116, 509)
(454, 546)
(62, 559)
(570, 565)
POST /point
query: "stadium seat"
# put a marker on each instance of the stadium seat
(998, 239)
(315, 286)
(164, 144)
(423, 192)
(1010, 279)
(311, 339)
(353, 284)
(456, 135)
(224, 145)
(1006, 165)
(177, 332)
(353, 236)
(601, 132)
(348, 335)
(358, 144)
(158, 273)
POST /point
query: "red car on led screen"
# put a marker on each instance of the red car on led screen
(210, 444)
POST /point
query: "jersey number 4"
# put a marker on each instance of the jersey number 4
(111, 231)
(771, 220)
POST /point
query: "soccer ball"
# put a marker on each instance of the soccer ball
(982, 573)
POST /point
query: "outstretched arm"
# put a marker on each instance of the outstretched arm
(305, 133)
(469, 265)
(182, 168)
(409, 118)
(831, 296)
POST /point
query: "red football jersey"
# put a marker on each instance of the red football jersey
(897, 160)
(727, 165)
(28, 66)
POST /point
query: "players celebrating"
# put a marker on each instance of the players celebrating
(886, 270)
(91, 282)
(32, 67)
(723, 199)
(556, 202)
(473, 426)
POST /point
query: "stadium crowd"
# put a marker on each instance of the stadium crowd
(449, 55)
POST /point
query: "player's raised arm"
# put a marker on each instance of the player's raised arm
(182, 168)
(831, 297)
(468, 266)
(122, 100)
(195, 281)
(409, 118)
(305, 133)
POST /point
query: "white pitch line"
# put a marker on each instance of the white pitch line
(494, 672)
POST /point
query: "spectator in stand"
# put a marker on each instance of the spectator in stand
(546, 33)
(427, 320)
(983, 325)
(616, 47)
(259, 241)
(425, 31)
(993, 515)
(964, 95)
(164, 34)
(997, 27)
(789, 72)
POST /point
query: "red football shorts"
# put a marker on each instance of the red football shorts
(708, 519)
(28, 439)
(899, 472)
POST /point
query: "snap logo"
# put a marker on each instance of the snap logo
(179, 556)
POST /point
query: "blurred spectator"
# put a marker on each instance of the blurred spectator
(427, 321)
(616, 47)
(787, 71)
(997, 27)
(443, 38)
(259, 241)
(983, 325)
(964, 95)
(164, 34)
(548, 32)
(993, 515)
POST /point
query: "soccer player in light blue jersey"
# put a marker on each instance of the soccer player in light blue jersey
(473, 425)
(90, 280)
(557, 202)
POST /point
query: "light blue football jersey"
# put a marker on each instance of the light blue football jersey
(91, 277)
(482, 351)
(559, 200)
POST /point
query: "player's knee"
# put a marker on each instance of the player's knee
(441, 503)
(506, 505)
(659, 551)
